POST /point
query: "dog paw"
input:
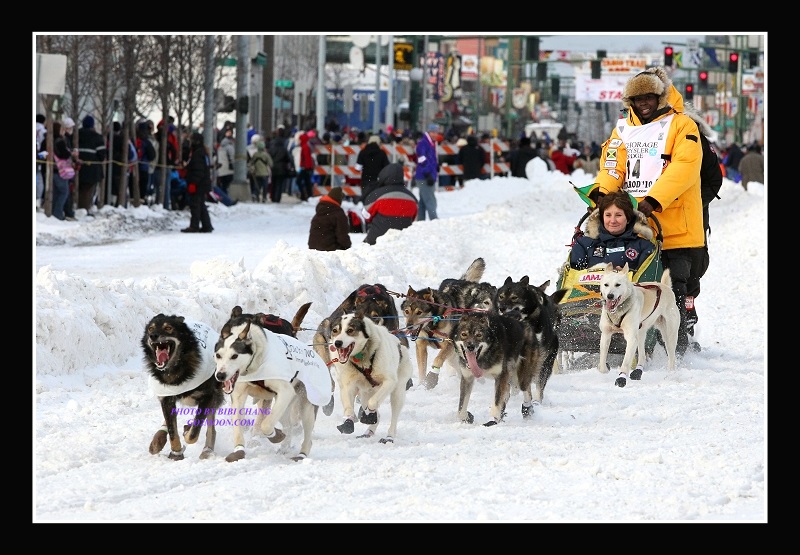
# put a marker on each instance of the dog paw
(298, 458)
(277, 436)
(387, 439)
(327, 410)
(490, 423)
(369, 417)
(367, 434)
(636, 374)
(527, 412)
(177, 455)
(604, 368)
(469, 419)
(158, 442)
(621, 381)
(346, 427)
(409, 384)
(207, 453)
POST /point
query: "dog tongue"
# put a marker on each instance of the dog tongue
(162, 355)
(472, 363)
(611, 305)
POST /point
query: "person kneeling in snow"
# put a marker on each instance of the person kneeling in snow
(391, 205)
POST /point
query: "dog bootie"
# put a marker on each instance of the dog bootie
(621, 381)
(432, 378)
(369, 417)
(277, 436)
(328, 409)
(636, 374)
(409, 383)
(346, 427)
(527, 411)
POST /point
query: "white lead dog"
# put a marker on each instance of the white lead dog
(632, 309)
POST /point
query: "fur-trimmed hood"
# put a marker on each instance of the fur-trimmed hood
(640, 225)
(653, 80)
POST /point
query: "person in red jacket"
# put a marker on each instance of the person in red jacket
(391, 205)
(306, 169)
(564, 156)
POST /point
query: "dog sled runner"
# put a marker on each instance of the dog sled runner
(581, 306)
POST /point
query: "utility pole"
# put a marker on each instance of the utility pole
(322, 95)
(240, 188)
(268, 85)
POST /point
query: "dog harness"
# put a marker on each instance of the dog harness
(366, 372)
(655, 305)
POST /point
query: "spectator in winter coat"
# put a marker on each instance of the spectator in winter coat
(588, 162)
(370, 161)
(92, 153)
(471, 157)
(391, 205)
(225, 156)
(282, 164)
(525, 153)
(751, 166)
(426, 173)
(330, 226)
(305, 168)
(564, 157)
(198, 183)
(63, 164)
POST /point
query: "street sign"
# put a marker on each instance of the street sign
(284, 84)
(226, 62)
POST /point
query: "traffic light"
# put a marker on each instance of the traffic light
(596, 69)
(689, 91)
(532, 49)
(733, 62)
(541, 71)
(555, 86)
(703, 84)
(668, 56)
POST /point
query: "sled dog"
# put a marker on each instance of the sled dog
(432, 315)
(278, 372)
(373, 364)
(490, 345)
(180, 360)
(632, 309)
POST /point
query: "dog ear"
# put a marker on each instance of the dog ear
(609, 267)
(524, 281)
(509, 281)
(625, 268)
(411, 292)
(543, 287)
(245, 331)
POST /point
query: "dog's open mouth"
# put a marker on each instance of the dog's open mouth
(612, 304)
(344, 353)
(228, 384)
(163, 352)
(471, 355)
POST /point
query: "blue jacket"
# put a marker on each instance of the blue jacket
(597, 245)
(427, 163)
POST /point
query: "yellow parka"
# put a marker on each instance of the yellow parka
(677, 190)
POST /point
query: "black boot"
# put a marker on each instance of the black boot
(683, 336)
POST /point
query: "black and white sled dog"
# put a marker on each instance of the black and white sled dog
(632, 309)
(490, 345)
(279, 372)
(431, 314)
(179, 357)
(373, 364)
(541, 315)
(372, 300)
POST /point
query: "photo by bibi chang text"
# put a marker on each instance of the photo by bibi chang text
(221, 411)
